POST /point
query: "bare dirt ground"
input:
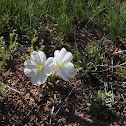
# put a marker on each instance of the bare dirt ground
(62, 103)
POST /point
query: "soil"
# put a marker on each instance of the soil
(60, 103)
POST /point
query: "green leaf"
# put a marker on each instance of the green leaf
(123, 72)
(1, 64)
(94, 50)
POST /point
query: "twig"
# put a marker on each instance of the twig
(17, 122)
(10, 88)
(52, 110)
(51, 114)
(94, 71)
(112, 64)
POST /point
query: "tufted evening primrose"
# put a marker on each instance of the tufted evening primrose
(38, 68)
(63, 65)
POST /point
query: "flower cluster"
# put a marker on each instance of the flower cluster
(39, 68)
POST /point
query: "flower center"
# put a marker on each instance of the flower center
(41, 67)
(60, 66)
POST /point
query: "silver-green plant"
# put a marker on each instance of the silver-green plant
(102, 104)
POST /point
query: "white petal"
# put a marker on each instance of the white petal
(69, 69)
(49, 61)
(61, 74)
(69, 65)
(35, 57)
(55, 62)
(35, 78)
(63, 52)
(68, 57)
(56, 53)
(57, 56)
(30, 64)
(42, 78)
(29, 72)
(48, 70)
(60, 55)
(42, 57)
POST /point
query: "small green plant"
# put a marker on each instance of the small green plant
(101, 104)
(41, 48)
(6, 51)
(90, 59)
(3, 90)
(34, 39)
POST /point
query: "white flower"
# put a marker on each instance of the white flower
(38, 68)
(63, 64)
(1, 38)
